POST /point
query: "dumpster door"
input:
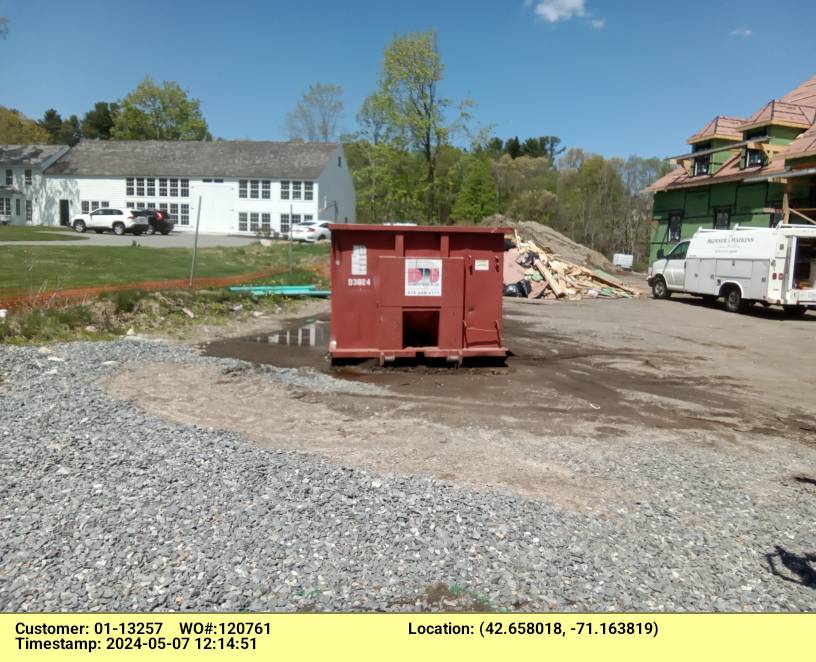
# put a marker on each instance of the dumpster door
(420, 303)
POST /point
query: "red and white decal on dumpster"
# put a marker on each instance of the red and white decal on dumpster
(359, 260)
(423, 277)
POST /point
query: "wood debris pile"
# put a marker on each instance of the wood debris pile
(533, 272)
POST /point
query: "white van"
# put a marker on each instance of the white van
(772, 266)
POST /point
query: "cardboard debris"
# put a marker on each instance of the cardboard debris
(534, 272)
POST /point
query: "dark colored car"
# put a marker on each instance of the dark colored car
(157, 220)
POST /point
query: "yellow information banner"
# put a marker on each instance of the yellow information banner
(415, 637)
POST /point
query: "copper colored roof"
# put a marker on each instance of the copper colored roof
(781, 113)
(729, 171)
(804, 95)
(721, 126)
(804, 145)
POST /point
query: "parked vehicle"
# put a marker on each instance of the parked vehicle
(158, 220)
(772, 266)
(118, 221)
(311, 231)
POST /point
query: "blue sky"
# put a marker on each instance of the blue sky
(612, 77)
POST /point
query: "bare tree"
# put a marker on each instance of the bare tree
(315, 116)
(4, 26)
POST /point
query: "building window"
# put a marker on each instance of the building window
(141, 205)
(184, 217)
(308, 190)
(242, 222)
(253, 222)
(129, 205)
(163, 206)
(675, 227)
(284, 190)
(296, 190)
(702, 165)
(284, 223)
(722, 218)
(29, 211)
(253, 188)
(174, 188)
(185, 188)
(129, 186)
(266, 223)
(104, 203)
(140, 186)
(17, 206)
(86, 206)
(162, 187)
(28, 178)
(266, 189)
(5, 206)
(151, 187)
(295, 219)
(307, 217)
(9, 177)
(756, 157)
(242, 188)
(174, 210)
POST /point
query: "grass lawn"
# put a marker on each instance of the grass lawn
(37, 233)
(32, 268)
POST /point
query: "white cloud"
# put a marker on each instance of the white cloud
(553, 11)
(742, 32)
(598, 23)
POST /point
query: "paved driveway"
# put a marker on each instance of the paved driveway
(174, 240)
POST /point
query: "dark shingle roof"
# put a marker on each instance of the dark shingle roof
(226, 158)
(28, 155)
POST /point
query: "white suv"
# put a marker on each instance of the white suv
(311, 231)
(118, 221)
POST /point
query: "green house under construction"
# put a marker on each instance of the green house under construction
(758, 171)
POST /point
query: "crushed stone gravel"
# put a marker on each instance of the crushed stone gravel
(106, 508)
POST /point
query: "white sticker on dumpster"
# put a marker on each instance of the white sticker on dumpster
(423, 277)
(482, 265)
(359, 260)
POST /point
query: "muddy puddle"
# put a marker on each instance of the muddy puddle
(549, 382)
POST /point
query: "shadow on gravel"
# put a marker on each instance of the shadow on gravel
(807, 480)
(801, 569)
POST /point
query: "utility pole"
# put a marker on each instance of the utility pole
(291, 215)
(195, 242)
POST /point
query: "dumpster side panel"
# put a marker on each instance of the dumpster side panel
(399, 291)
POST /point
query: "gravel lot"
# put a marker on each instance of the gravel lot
(107, 507)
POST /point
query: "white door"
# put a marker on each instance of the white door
(218, 212)
(676, 266)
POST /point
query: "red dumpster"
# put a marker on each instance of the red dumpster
(403, 291)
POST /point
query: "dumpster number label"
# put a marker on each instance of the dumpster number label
(482, 265)
(423, 277)
(359, 260)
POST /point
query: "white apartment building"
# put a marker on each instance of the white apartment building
(243, 186)
(22, 185)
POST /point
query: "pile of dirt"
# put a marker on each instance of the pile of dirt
(554, 242)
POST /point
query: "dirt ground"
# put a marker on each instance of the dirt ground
(585, 373)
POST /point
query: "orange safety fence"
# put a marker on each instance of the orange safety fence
(48, 297)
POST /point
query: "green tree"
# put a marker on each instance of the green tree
(477, 197)
(97, 123)
(70, 132)
(159, 112)
(17, 129)
(316, 115)
(52, 123)
(539, 205)
(409, 87)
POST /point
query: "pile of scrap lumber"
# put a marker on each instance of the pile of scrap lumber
(533, 272)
